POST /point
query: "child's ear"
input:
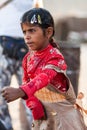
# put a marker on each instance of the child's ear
(49, 32)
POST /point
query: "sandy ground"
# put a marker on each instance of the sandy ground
(14, 106)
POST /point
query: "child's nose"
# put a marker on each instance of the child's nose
(28, 35)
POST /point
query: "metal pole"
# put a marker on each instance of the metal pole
(5, 3)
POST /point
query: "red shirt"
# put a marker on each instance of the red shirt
(36, 73)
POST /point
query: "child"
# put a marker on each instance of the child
(46, 88)
(79, 103)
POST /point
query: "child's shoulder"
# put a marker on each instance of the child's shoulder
(55, 52)
(56, 58)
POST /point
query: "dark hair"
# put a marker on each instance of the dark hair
(40, 17)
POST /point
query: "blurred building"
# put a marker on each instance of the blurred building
(61, 8)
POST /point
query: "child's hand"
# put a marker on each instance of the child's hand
(11, 94)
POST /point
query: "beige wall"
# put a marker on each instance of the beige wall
(60, 8)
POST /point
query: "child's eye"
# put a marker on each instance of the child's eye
(24, 32)
(32, 30)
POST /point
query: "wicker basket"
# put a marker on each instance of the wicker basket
(47, 95)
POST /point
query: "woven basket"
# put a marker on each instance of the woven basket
(47, 95)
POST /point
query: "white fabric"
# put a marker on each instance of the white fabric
(10, 17)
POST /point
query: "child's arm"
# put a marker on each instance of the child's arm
(42, 80)
(28, 89)
(80, 108)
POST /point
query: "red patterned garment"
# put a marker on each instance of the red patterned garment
(37, 75)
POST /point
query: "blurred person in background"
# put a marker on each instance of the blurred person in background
(12, 50)
(2, 127)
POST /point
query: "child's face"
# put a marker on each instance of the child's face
(80, 96)
(34, 37)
